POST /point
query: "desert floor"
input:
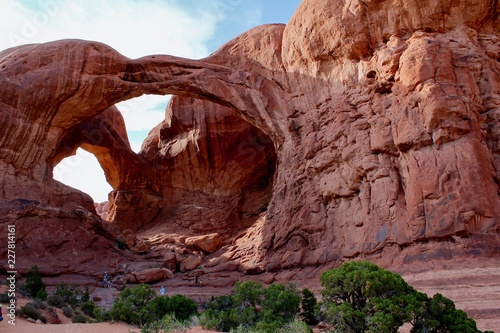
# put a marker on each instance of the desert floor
(474, 286)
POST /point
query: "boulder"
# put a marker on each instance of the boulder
(208, 243)
(129, 237)
(170, 261)
(150, 275)
(191, 262)
(142, 246)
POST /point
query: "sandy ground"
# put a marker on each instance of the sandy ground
(26, 327)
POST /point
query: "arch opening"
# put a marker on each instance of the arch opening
(83, 172)
(209, 170)
(202, 167)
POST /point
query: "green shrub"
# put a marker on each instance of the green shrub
(31, 311)
(252, 307)
(269, 326)
(281, 302)
(70, 294)
(352, 292)
(296, 326)
(220, 314)
(88, 308)
(440, 315)
(181, 307)
(67, 311)
(134, 305)
(167, 324)
(101, 315)
(41, 294)
(86, 295)
(362, 297)
(67, 295)
(140, 305)
(34, 285)
(39, 304)
(79, 318)
(293, 326)
(248, 293)
(244, 329)
(51, 310)
(309, 305)
(56, 300)
(34, 304)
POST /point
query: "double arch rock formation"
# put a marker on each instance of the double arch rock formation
(358, 129)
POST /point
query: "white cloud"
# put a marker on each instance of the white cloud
(134, 28)
(144, 112)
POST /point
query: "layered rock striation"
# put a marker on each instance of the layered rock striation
(359, 128)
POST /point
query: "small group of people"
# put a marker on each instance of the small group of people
(106, 280)
(197, 281)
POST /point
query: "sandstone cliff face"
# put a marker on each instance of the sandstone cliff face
(360, 127)
(395, 128)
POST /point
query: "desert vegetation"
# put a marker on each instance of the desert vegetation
(362, 297)
(140, 306)
(355, 297)
(74, 302)
(252, 307)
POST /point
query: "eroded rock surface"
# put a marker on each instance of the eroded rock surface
(359, 129)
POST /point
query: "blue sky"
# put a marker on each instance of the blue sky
(187, 28)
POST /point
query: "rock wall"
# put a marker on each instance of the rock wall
(359, 127)
(394, 131)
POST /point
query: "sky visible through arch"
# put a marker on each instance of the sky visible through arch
(186, 28)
